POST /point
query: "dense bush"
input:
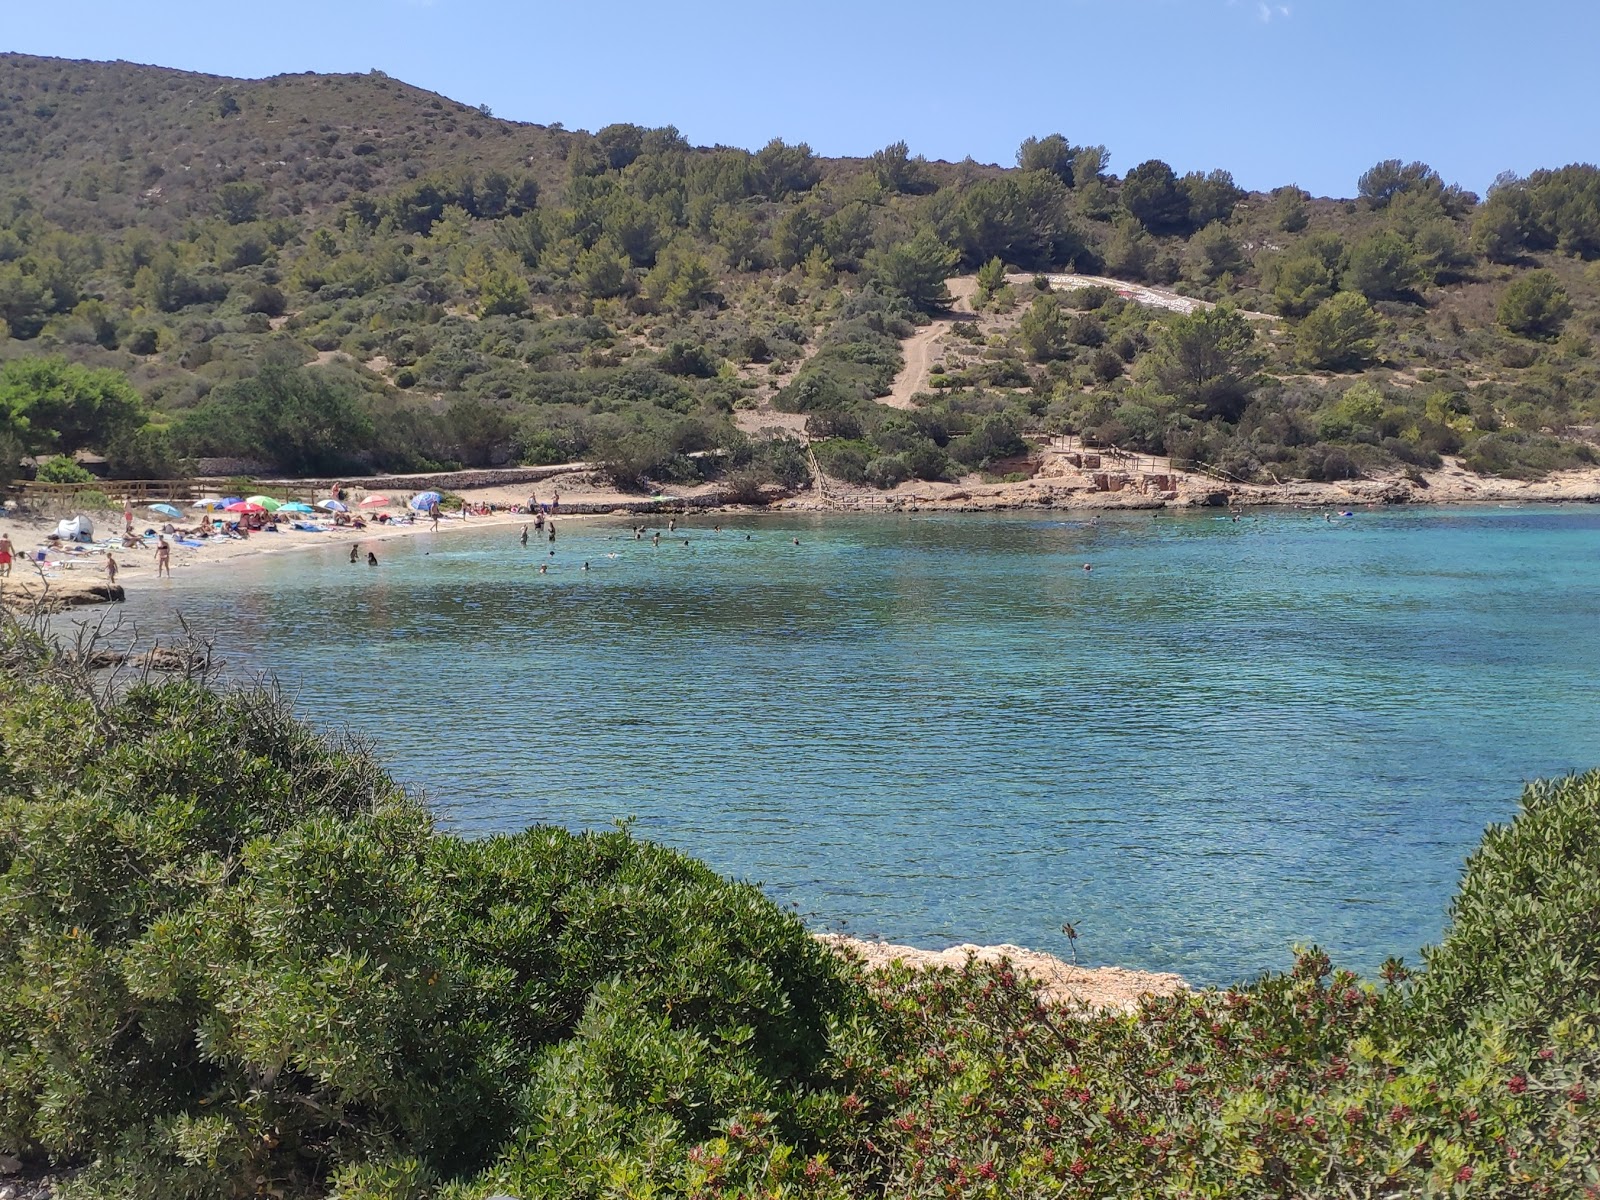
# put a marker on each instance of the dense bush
(236, 958)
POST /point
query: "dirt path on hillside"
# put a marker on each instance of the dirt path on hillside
(917, 350)
(1139, 293)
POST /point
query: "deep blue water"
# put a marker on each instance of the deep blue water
(1226, 738)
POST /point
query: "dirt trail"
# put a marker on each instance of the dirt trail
(1139, 293)
(918, 348)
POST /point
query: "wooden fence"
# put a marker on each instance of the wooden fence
(140, 492)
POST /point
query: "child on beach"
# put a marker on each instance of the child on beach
(6, 551)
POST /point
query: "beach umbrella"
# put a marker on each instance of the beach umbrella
(208, 504)
(423, 501)
(227, 500)
(166, 510)
(244, 506)
(333, 505)
(266, 502)
(296, 506)
(375, 502)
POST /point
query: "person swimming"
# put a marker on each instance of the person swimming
(1088, 566)
(372, 559)
(585, 566)
(544, 568)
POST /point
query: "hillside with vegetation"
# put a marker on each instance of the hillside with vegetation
(344, 274)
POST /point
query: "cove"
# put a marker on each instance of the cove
(1226, 738)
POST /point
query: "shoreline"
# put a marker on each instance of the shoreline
(1117, 989)
(79, 577)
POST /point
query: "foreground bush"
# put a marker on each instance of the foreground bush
(237, 960)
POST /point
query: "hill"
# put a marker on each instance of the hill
(343, 273)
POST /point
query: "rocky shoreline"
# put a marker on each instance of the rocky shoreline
(1110, 988)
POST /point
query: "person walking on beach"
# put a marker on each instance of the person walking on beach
(163, 558)
(111, 569)
(433, 511)
(6, 551)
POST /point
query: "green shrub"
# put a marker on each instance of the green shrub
(63, 469)
(263, 966)
(1535, 305)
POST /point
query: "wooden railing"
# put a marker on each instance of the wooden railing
(151, 491)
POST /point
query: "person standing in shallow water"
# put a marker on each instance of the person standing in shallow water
(163, 558)
(524, 538)
(355, 552)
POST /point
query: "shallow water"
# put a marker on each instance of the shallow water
(1226, 738)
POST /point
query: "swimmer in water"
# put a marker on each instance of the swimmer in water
(585, 566)
(655, 538)
(524, 535)
(796, 541)
(372, 559)
(1088, 566)
(544, 568)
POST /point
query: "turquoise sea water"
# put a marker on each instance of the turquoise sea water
(1226, 738)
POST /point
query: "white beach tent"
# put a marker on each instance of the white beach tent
(75, 529)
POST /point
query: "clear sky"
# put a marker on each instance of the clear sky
(1277, 91)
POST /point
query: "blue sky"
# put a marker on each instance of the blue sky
(1277, 91)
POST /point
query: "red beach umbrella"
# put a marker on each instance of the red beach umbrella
(244, 506)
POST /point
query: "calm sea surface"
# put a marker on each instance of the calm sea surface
(1226, 738)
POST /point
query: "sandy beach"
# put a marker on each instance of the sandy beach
(1063, 477)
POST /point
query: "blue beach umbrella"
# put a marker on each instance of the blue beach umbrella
(423, 501)
(333, 505)
(296, 506)
(166, 510)
(209, 504)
